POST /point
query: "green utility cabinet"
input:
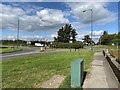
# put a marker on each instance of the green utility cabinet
(77, 72)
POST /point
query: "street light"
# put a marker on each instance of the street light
(91, 25)
(18, 34)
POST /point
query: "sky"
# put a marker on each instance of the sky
(42, 20)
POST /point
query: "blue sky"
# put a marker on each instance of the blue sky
(43, 19)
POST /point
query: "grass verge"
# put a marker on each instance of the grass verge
(113, 50)
(9, 49)
(32, 71)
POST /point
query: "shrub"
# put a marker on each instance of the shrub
(116, 41)
(75, 45)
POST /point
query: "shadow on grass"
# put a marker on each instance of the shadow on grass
(67, 82)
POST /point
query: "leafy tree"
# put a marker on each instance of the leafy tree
(105, 33)
(115, 41)
(106, 39)
(87, 40)
(65, 34)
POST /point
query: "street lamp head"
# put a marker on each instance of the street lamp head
(84, 11)
(87, 10)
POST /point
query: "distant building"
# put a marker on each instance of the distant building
(39, 44)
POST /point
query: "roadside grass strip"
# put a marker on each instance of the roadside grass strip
(32, 71)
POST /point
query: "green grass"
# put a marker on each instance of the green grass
(32, 71)
(100, 46)
(113, 50)
(9, 49)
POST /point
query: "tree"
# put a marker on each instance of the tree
(87, 40)
(65, 34)
(106, 39)
(105, 33)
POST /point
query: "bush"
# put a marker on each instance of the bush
(75, 45)
(116, 41)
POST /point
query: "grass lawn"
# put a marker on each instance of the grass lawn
(112, 50)
(32, 71)
(9, 49)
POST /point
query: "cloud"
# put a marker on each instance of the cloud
(28, 7)
(87, 0)
(60, 0)
(100, 13)
(46, 19)
(22, 0)
(54, 35)
(10, 37)
(9, 16)
(95, 35)
(27, 38)
(53, 19)
(52, 16)
(9, 10)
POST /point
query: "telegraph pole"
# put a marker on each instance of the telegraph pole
(18, 34)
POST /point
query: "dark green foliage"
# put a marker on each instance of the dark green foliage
(116, 41)
(11, 42)
(65, 33)
(107, 39)
(105, 33)
(87, 40)
(75, 45)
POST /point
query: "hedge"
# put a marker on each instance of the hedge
(75, 45)
(115, 41)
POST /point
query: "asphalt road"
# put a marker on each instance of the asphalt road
(29, 51)
(33, 50)
(24, 52)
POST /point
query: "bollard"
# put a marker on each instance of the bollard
(77, 71)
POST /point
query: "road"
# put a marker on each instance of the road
(25, 51)
(29, 51)
(33, 50)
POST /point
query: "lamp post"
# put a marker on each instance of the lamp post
(91, 25)
(18, 34)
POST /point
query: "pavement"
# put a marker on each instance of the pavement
(100, 74)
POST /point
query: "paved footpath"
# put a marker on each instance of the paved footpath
(100, 75)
